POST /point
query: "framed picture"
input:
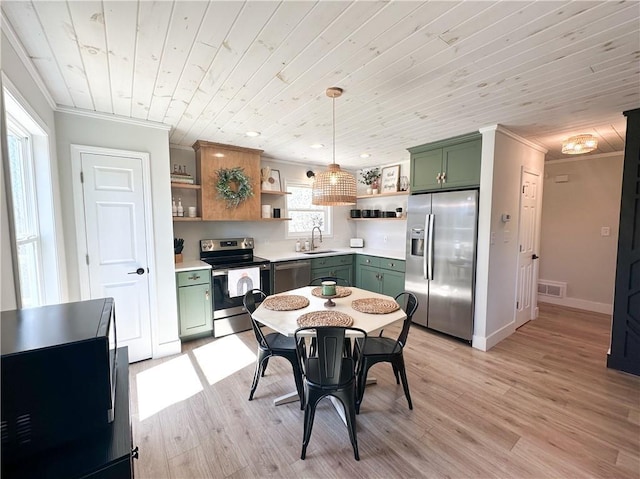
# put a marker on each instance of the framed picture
(390, 179)
(274, 181)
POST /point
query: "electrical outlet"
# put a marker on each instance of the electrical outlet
(385, 238)
(605, 231)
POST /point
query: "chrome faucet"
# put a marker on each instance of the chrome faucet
(313, 246)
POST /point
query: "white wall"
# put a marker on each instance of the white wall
(40, 108)
(573, 213)
(503, 157)
(268, 235)
(384, 235)
(80, 129)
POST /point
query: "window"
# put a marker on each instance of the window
(305, 216)
(31, 183)
(25, 214)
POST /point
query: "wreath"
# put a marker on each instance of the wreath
(231, 196)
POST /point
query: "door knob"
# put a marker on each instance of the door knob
(139, 271)
(534, 256)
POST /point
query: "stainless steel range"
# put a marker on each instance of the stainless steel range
(234, 271)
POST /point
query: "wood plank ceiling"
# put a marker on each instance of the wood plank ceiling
(413, 72)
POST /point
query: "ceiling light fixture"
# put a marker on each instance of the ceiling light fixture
(252, 133)
(365, 155)
(333, 187)
(315, 146)
(579, 144)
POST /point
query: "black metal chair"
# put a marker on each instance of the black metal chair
(318, 282)
(272, 344)
(339, 281)
(330, 373)
(381, 349)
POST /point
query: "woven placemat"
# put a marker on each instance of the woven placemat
(375, 305)
(285, 302)
(341, 292)
(325, 318)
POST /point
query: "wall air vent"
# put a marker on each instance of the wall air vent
(555, 289)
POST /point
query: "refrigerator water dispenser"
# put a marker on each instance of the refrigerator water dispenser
(417, 241)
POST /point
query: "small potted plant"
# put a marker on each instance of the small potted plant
(370, 178)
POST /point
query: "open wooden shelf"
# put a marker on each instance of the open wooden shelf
(185, 186)
(186, 218)
(382, 195)
(280, 193)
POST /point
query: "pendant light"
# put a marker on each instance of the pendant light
(333, 187)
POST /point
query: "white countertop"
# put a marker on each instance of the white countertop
(282, 255)
(285, 322)
(191, 265)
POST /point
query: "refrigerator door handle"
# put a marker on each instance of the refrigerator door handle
(429, 255)
(425, 253)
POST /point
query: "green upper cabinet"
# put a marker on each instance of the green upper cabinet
(426, 168)
(450, 164)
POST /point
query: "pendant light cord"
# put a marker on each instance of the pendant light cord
(334, 130)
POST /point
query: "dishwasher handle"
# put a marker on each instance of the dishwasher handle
(292, 265)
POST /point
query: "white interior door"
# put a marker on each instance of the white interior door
(116, 243)
(527, 240)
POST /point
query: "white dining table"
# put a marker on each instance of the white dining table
(286, 322)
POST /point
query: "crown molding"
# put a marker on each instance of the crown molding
(504, 131)
(585, 157)
(8, 30)
(174, 146)
(112, 117)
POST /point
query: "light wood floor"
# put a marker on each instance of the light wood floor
(541, 404)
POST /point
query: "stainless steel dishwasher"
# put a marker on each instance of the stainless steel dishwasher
(291, 275)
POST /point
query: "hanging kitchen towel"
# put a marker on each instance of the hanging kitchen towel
(242, 280)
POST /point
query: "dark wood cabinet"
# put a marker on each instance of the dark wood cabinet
(105, 454)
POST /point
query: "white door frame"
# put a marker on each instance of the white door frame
(81, 227)
(536, 239)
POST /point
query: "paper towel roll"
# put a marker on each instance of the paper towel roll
(266, 211)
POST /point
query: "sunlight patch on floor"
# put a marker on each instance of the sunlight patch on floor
(166, 384)
(223, 357)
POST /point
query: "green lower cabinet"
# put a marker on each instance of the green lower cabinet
(194, 303)
(369, 278)
(392, 283)
(338, 266)
(343, 272)
(380, 275)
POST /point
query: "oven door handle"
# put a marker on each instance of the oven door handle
(225, 272)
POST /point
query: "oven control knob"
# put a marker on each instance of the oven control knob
(248, 244)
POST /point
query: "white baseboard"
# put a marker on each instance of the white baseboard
(486, 343)
(576, 303)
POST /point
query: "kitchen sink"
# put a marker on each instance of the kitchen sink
(320, 251)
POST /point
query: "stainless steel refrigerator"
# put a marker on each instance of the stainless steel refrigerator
(441, 259)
